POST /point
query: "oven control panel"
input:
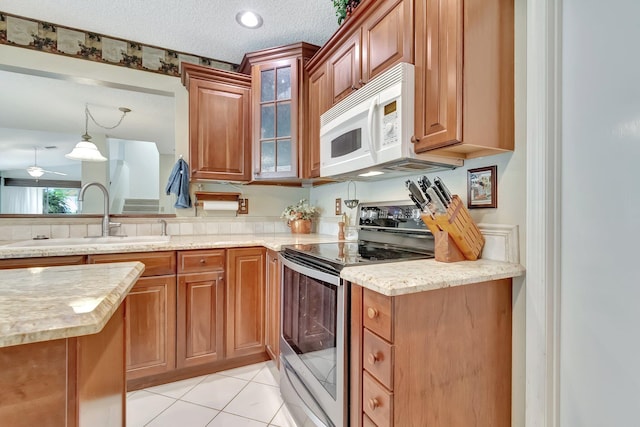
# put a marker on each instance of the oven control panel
(390, 215)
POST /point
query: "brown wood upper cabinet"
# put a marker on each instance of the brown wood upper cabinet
(219, 123)
(464, 77)
(278, 108)
(245, 301)
(378, 38)
(318, 104)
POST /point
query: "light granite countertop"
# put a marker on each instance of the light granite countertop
(42, 304)
(394, 278)
(398, 278)
(57, 247)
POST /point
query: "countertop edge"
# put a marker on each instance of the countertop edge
(87, 323)
(382, 278)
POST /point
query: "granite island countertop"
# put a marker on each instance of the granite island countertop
(49, 303)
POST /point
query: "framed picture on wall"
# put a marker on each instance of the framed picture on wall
(482, 188)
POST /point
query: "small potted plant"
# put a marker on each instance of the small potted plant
(299, 216)
(344, 8)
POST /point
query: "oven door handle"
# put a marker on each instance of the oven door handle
(298, 386)
(310, 272)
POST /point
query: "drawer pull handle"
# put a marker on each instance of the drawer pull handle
(372, 313)
(202, 261)
(373, 404)
(373, 358)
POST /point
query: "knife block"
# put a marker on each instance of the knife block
(457, 236)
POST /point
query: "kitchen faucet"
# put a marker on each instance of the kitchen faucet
(105, 217)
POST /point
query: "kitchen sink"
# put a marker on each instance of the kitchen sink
(90, 241)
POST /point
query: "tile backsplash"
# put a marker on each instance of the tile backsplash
(28, 228)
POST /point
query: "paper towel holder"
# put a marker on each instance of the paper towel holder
(206, 196)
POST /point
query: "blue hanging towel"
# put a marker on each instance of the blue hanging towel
(179, 184)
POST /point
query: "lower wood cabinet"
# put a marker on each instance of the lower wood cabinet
(192, 312)
(151, 326)
(201, 327)
(433, 358)
(150, 320)
(200, 318)
(272, 306)
(245, 301)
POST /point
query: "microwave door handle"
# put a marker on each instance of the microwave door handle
(372, 108)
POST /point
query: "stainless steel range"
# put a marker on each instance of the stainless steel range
(315, 307)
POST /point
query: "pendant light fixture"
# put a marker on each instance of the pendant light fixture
(86, 150)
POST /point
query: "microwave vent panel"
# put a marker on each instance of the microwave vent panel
(398, 73)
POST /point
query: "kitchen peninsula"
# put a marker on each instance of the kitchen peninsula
(62, 344)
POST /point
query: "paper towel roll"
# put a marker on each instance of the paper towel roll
(220, 205)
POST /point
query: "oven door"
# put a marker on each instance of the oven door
(312, 343)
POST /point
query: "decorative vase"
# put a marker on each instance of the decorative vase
(300, 226)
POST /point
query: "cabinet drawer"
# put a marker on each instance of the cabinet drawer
(200, 261)
(377, 357)
(377, 402)
(377, 314)
(155, 263)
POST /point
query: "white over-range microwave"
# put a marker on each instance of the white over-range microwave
(368, 134)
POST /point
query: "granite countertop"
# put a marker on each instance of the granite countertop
(399, 278)
(396, 278)
(57, 247)
(42, 304)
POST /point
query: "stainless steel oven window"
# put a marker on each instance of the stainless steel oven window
(309, 325)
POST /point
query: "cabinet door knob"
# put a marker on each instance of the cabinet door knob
(372, 313)
(373, 403)
(202, 261)
(373, 358)
(414, 139)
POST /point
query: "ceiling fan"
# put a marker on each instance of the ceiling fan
(35, 170)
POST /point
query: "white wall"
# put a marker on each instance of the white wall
(600, 288)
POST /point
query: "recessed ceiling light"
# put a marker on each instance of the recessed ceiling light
(249, 19)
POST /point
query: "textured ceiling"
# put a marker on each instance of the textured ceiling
(43, 111)
(201, 27)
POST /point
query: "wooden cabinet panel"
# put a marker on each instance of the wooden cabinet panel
(272, 310)
(319, 102)
(245, 301)
(438, 73)
(219, 123)
(344, 68)
(155, 263)
(200, 318)
(464, 69)
(387, 37)
(42, 262)
(199, 261)
(151, 326)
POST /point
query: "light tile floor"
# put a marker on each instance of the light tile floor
(241, 397)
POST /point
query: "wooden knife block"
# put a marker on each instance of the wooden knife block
(457, 236)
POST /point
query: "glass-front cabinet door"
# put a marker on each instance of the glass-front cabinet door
(275, 85)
